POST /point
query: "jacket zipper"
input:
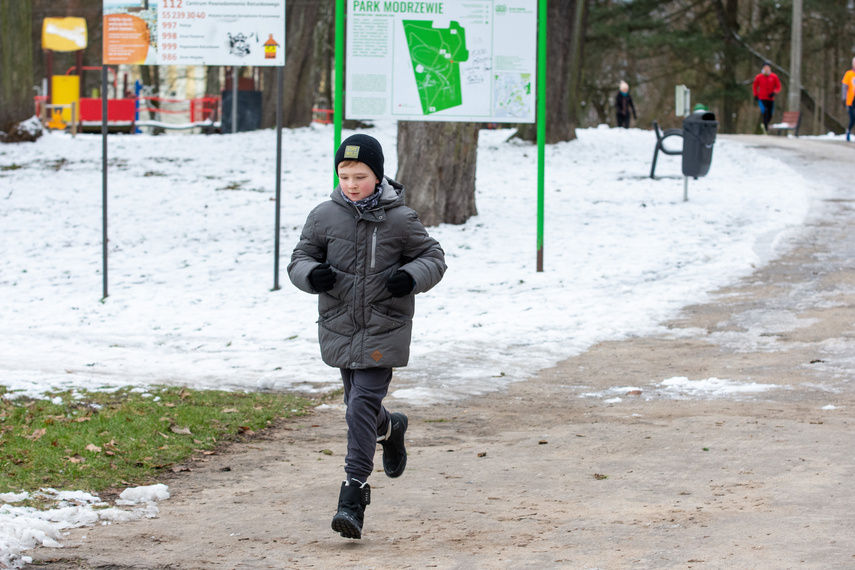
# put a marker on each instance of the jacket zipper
(374, 249)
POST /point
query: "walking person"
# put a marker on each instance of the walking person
(766, 86)
(623, 105)
(849, 82)
(366, 255)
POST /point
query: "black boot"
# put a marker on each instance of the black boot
(352, 501)
(394, 452)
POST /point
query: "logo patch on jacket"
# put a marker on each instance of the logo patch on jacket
(351, 151)
(376, 355)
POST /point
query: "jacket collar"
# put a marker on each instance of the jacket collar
(393, 195)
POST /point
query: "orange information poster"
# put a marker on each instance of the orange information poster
(127, 39)
(194, 32)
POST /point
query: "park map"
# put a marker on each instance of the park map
(436, 54)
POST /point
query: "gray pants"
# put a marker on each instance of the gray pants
(366, 417)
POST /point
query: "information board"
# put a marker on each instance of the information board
(194, 32)
(446, 60)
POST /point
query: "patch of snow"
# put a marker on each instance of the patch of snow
(24, 528)
(712, 387)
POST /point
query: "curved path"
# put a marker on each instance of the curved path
(596, 463)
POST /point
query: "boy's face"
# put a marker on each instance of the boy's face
(357, 180)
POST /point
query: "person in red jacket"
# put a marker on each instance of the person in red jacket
(766, 86)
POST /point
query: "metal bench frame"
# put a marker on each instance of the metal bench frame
(660, 138)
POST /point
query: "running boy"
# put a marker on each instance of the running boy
(366, 255)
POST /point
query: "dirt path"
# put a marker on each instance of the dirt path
(540, 477)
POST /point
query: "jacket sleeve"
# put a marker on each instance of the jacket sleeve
(632, 106)
(756, 83)
(425, 258)
(777, 88)
(308, 254)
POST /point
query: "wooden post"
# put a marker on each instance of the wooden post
(49, 73)
(73, 119)
(78, 57)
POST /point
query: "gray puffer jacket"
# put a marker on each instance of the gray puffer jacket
(361, 325)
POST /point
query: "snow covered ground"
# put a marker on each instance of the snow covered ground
(191, 267)
(191, 230)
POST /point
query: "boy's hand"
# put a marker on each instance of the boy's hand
(322, 278)
(400, 284)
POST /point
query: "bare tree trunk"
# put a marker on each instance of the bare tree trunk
(325, 55)
(754, 22)
(728, 18)
(16, 62)
(212, 81)
(151, 76)
(307, 22)
(436, 165)
(574, 90)
(566, 23)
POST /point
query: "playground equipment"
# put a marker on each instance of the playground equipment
(62, 104)
(62, 99)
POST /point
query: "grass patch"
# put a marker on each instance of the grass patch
(92, 441)
(237, 185)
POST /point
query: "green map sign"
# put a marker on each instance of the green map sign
(458, 60)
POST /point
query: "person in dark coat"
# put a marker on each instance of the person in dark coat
(766, 86)
(623, 106)
(366, 255)
(849, 83)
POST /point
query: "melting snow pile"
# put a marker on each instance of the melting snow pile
(712, 387)
(23, 528)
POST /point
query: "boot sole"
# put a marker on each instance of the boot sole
(346, 526)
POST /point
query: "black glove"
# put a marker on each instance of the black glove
(771, 96)
(322, 278)
(756, 98)
(400, 284)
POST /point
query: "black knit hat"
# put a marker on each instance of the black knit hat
(363, 148)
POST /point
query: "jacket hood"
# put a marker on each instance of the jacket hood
(393, 195)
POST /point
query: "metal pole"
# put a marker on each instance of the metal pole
(338, 94)
(794, 97)
(280, 80)
(104, 178)
(541, 125)
(234, 98)
(685, 189)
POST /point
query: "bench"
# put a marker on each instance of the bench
(790, 122)
(660, 138)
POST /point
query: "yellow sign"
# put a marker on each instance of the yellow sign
(64, 34)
